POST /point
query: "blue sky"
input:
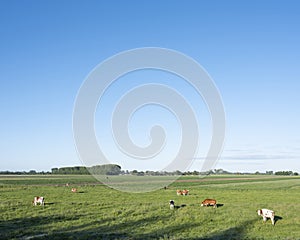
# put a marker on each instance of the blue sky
(251, 50)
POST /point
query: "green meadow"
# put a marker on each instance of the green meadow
(96, 211)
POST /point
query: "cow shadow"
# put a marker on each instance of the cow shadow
(215, 206)
(181, 206)
(277, 218)
(49, 203)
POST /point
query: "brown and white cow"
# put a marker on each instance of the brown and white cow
(266, 213)
(179, 192)
(38, 200)
(74, 190)
(185, 192)
(209, 202)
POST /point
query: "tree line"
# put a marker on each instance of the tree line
(106, 169)
(114, 169)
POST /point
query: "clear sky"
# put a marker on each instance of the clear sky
(250, 48)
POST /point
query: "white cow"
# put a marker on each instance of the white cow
(267, 213)
(38, 200)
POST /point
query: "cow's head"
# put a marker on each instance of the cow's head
(259, 212)
(172, 204)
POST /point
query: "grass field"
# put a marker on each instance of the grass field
(99, 212)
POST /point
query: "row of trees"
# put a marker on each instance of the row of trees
(70, 170)
(286, 173)
(106, 169)
(114, 169)
(161, 173)
(31, 172)
(282, 173)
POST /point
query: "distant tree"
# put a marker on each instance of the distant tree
(106, 169)
(284, 173)
(219, 171)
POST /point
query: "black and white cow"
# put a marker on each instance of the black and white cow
(172, 204)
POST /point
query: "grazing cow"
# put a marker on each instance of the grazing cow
(266, 213)
(209, 202)
(179, 192)
(38, 200)
(182, 192)
(74, 190)
(172, 204)
(185, 192)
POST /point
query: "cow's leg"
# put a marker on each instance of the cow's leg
(272, 219)
(264, 219)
